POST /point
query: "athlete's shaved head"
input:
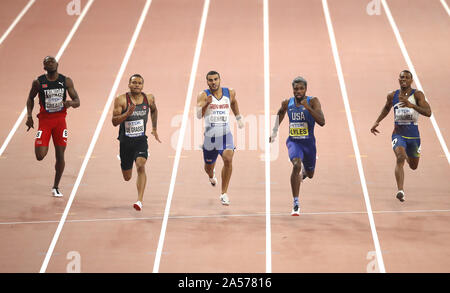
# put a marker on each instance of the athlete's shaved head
(135, 75)
(299, 79)
(406, 71)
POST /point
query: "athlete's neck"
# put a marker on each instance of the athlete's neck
(405, 90)
(299, 100)
(52, 75)
(217, 93)
(135, 95)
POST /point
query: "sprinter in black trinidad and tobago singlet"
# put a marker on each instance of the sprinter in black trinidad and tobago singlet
(52, 88)
(131, 113)
(408, 103)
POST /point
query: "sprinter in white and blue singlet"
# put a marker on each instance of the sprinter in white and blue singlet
(214, 105)
(408, 103)
(131, 113)
(303, 112)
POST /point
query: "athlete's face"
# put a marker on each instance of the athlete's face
(405, 79)
(213, 82)
(136, 85)
(299, 90)
(50, 64)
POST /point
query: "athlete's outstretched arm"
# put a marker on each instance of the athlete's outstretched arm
(30, 103)
(280, 116)
(315, 110)
(422, 105)
(154, 115)
(386, 108)
(235, 108)
(203, 102)
(75, 103)
(120, 104)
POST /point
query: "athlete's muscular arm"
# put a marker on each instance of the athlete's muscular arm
(154, 115)
(280, 116)
(120, 104)
(203, 102)
(422, 105)
(315, 109)
(75, 103)
(30, 103)
(235, 108)
(386, 108)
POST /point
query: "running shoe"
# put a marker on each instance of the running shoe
(400, 196)
(295, 211)
(56, 193)
(137, 206)
(224, 199)
(213, 180)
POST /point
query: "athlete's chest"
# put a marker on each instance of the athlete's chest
(297, 113)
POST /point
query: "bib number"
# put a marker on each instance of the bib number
(134, 128)
(54, 104)
(298, 130)
(404, 115)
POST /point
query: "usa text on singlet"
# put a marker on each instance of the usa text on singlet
(301, 123)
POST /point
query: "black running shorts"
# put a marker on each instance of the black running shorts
(130, 150)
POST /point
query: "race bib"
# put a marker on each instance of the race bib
(405, 115)
(218, 119)
(298, 129)
(134, 128)
(54, 104)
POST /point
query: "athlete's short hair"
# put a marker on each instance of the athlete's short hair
(48, 57)
(299, 79)
(407, 71)
(212, 72)
(135, 75)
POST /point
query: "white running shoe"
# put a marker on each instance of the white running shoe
(213, 180)
(400, 195)
(56, 193)
(224, 199)
(137, 206)
(295, 211)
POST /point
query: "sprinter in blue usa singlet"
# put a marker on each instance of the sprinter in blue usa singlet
(303, 112)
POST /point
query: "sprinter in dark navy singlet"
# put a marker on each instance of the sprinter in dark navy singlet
(131, 113)
(303, 112)
(52, 88)
(408, 103)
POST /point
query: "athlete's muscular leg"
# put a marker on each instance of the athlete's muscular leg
(60, 164)
(295, 176)
(309, 174)
(40, 152)
(209, 169)
(142, 177)
(400, 154)
(227, 157)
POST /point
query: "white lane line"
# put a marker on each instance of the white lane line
(58, 55)
(416, 77)
(96, 134)
(287, 215)
(176, 162)
(444, 4)
(353, 135)
(267, 133)
(16, 20)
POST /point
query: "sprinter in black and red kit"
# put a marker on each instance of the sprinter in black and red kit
(52, 88)
(131, 113)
